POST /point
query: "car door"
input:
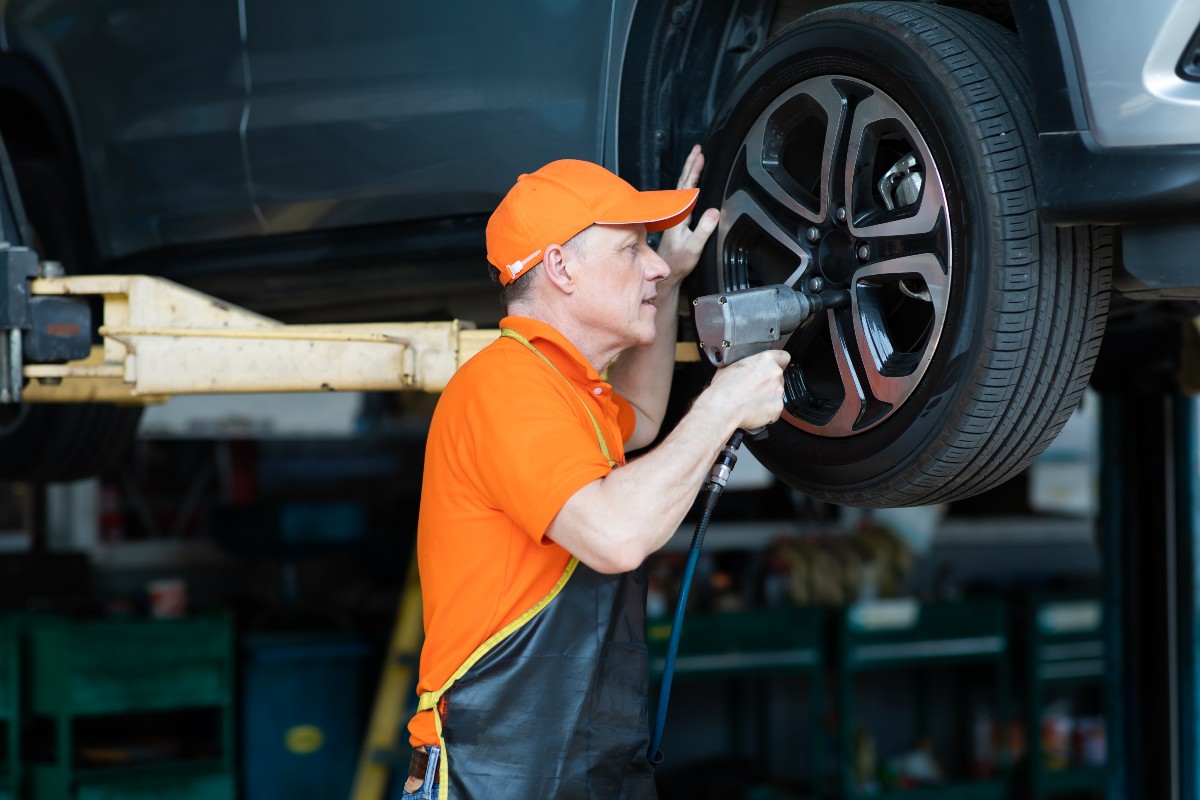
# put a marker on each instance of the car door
(376, 111)
(156, 95)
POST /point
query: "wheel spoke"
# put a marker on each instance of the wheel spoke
(855, 402)
(742, 208)
(893, 367)
(874, 117)
(807, 106)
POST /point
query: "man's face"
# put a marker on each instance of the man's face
(618, 277)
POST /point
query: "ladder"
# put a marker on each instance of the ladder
(384, 747)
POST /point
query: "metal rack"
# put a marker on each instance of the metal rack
(751, 644)
(906, 634)
(1064, 647)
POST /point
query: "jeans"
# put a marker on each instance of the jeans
(429, 789)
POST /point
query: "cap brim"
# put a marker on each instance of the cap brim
(656, 210)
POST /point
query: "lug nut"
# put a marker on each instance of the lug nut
(812, 234)
(840, 214)
(864, 252)
(815, 285)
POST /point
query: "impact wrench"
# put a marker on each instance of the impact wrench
(731, 327)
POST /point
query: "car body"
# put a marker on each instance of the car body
(325, 162)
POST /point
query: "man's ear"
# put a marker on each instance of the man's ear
(556, 268)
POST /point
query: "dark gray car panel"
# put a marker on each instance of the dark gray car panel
(156, 115)
(375, 111)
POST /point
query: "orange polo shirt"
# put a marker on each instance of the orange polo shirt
(509, 443)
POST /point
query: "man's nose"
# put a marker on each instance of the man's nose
(659, 269)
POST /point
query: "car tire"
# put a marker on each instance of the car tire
(70, 442)
(887, 149)
(53, 443)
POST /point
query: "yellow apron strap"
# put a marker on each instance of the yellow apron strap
(430, 700)
(511, 334)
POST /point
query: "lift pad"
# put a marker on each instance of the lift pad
(161, 339)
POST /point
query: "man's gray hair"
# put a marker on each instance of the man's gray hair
(518, 290)
(521, 288)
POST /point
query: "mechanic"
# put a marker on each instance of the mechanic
(532, 525)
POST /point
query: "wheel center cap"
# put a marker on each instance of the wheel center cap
(835, 257)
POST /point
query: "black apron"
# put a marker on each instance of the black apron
(554, 705)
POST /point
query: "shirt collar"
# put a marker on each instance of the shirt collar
(556, 347)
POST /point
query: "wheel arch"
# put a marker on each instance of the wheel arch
(1043, 28)
(664, 107)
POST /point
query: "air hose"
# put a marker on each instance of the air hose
(718, 476)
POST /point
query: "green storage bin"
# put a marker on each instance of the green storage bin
(203, 786)
(123, 670)
(108, 667)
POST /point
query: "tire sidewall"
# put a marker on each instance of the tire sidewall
(71, 441)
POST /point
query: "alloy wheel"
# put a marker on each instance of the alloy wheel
(834, 187)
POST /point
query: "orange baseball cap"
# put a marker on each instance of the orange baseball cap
(563, 198)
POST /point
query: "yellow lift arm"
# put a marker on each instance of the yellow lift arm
(161, 339)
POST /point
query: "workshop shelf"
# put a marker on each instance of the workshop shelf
(1063, 653)
(733, 646)
(904, 634)
(132, 708)
(740, 643)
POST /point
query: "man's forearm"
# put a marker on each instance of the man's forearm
(612, 524)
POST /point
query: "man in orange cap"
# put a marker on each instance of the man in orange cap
(533, 528)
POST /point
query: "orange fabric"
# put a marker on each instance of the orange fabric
(509, 444)
(559, 200)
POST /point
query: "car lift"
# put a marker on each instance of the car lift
(1149, 539)
(161, 339)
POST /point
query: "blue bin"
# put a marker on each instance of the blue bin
(302, 715)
